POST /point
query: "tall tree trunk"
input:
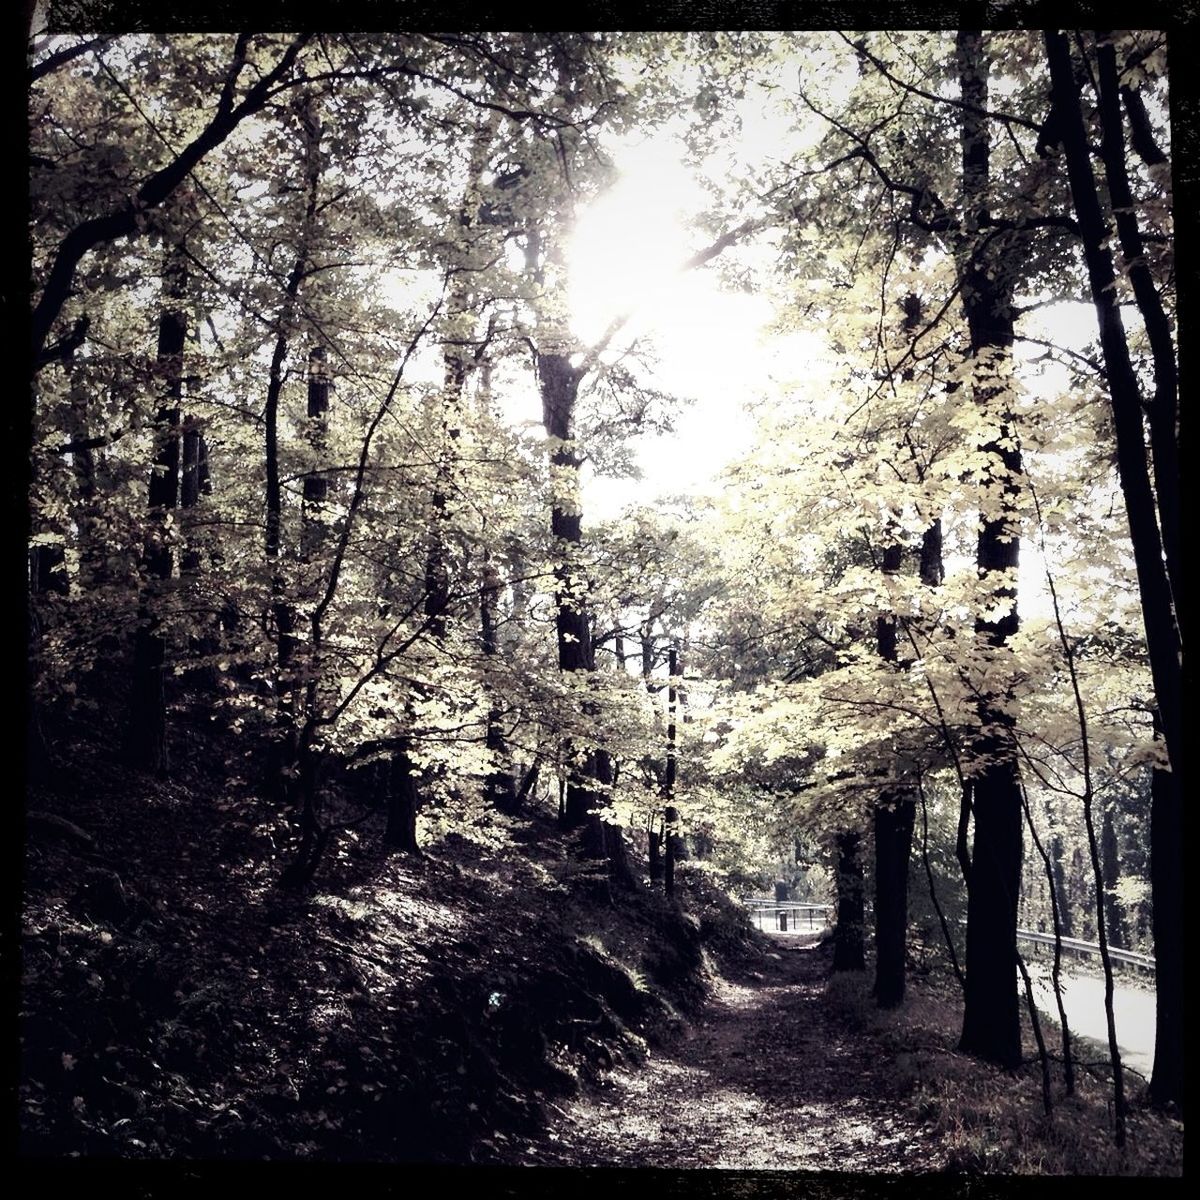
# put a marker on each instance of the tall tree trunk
(991, 1010)
(893, 829)
(146, 736)
(316, 482)
(456, 366)
(559, 384)
(1151, 557)
(194, 483)
(674, 840)
(1162, 631)
(1057, 855)
(282, 765)
(893, 821)
(654, 850)
(403, 803)
(1056, 969)
(848, 933)
(1110, 860)
(1166, 879)
(1163, 407)
(499, 789)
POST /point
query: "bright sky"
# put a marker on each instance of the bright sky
(713, 346)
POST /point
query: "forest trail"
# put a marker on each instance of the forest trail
(766, 1079)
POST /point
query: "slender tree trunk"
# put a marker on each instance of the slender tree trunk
(1163, 408)
(848, 934)
(1056, 969)
(314, 836)
(991, 1010)
(93, 565)
(146, 736)
(1151, 558)
(937, 908)
(1110, 862)
(316, 482)
(893, 829)
(282, 767)
(498, 787)
(1166, 879)
(1162, 631)
(194, 483)
(1057, 854)
(1036, 1022)
(654, 851)
(456, 367)
(674, 841)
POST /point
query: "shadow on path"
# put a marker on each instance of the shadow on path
(766, 1080)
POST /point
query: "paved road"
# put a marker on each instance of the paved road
(1083, 998)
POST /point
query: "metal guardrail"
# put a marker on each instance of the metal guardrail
(1076, 946)
(786, 915)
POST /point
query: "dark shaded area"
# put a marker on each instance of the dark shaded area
(177, 1001)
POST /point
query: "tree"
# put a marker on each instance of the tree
(991, 1018)
(1152, 512)
(848, 932)
(147, 723)
(158, 186)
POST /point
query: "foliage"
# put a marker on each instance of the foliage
(334, 531)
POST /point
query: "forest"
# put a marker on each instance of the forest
(603, 599)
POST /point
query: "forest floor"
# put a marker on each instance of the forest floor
(768, 1078)
(791, 1068)
(478, 1004)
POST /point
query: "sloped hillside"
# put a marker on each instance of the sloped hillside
(177, 1002)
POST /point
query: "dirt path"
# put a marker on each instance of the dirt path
(766, 1081)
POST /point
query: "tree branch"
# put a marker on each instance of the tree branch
(130, 220)
(61, 57)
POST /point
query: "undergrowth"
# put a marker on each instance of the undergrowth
(177, 1003)
(990, 1120)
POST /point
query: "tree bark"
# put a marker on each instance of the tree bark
(893, 828)
(848, 933)
(1162, 631)
(1057, 855)
(403, 803)
(654, 852)
(193, 484)
(1166, 881)
(1110, 858)
(146, 735)
(499, 789)
(893, 821)
(1151, 557)
(673, 839)
(559, 385)
(1056, 969)
(991, 1010)
(1164, 406)
(316, 482)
